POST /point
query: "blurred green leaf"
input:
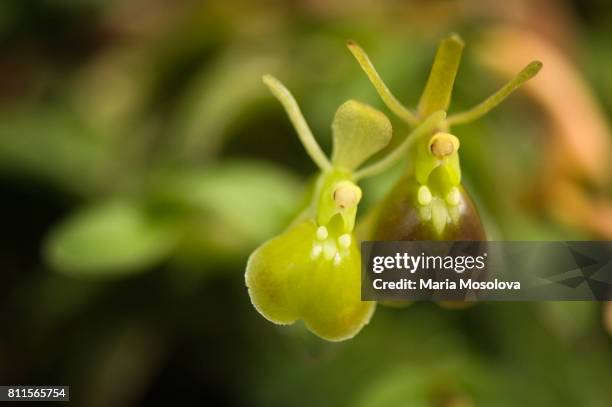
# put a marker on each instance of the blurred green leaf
(113, 238)
(54, 145)
(422, 387)
(216, 99)
(231, 207)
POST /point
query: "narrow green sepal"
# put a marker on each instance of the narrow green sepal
(437, 93)
(383, 91)
(297, 119)
(495, 99)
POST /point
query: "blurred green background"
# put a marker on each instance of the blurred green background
(142, 160)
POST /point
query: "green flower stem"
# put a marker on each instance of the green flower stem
(439, 87)
(429, 125)
(495, 99)
(392, 103)
(295, 115)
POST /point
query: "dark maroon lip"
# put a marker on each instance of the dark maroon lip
(398, 217)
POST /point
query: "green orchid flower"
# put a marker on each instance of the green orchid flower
(311, 272)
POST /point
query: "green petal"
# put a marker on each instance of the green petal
(287, 282)
(359, 132)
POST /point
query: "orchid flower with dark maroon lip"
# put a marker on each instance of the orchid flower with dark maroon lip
(430, 203)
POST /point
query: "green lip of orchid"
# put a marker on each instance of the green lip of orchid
(305, 274)
(312, 271)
